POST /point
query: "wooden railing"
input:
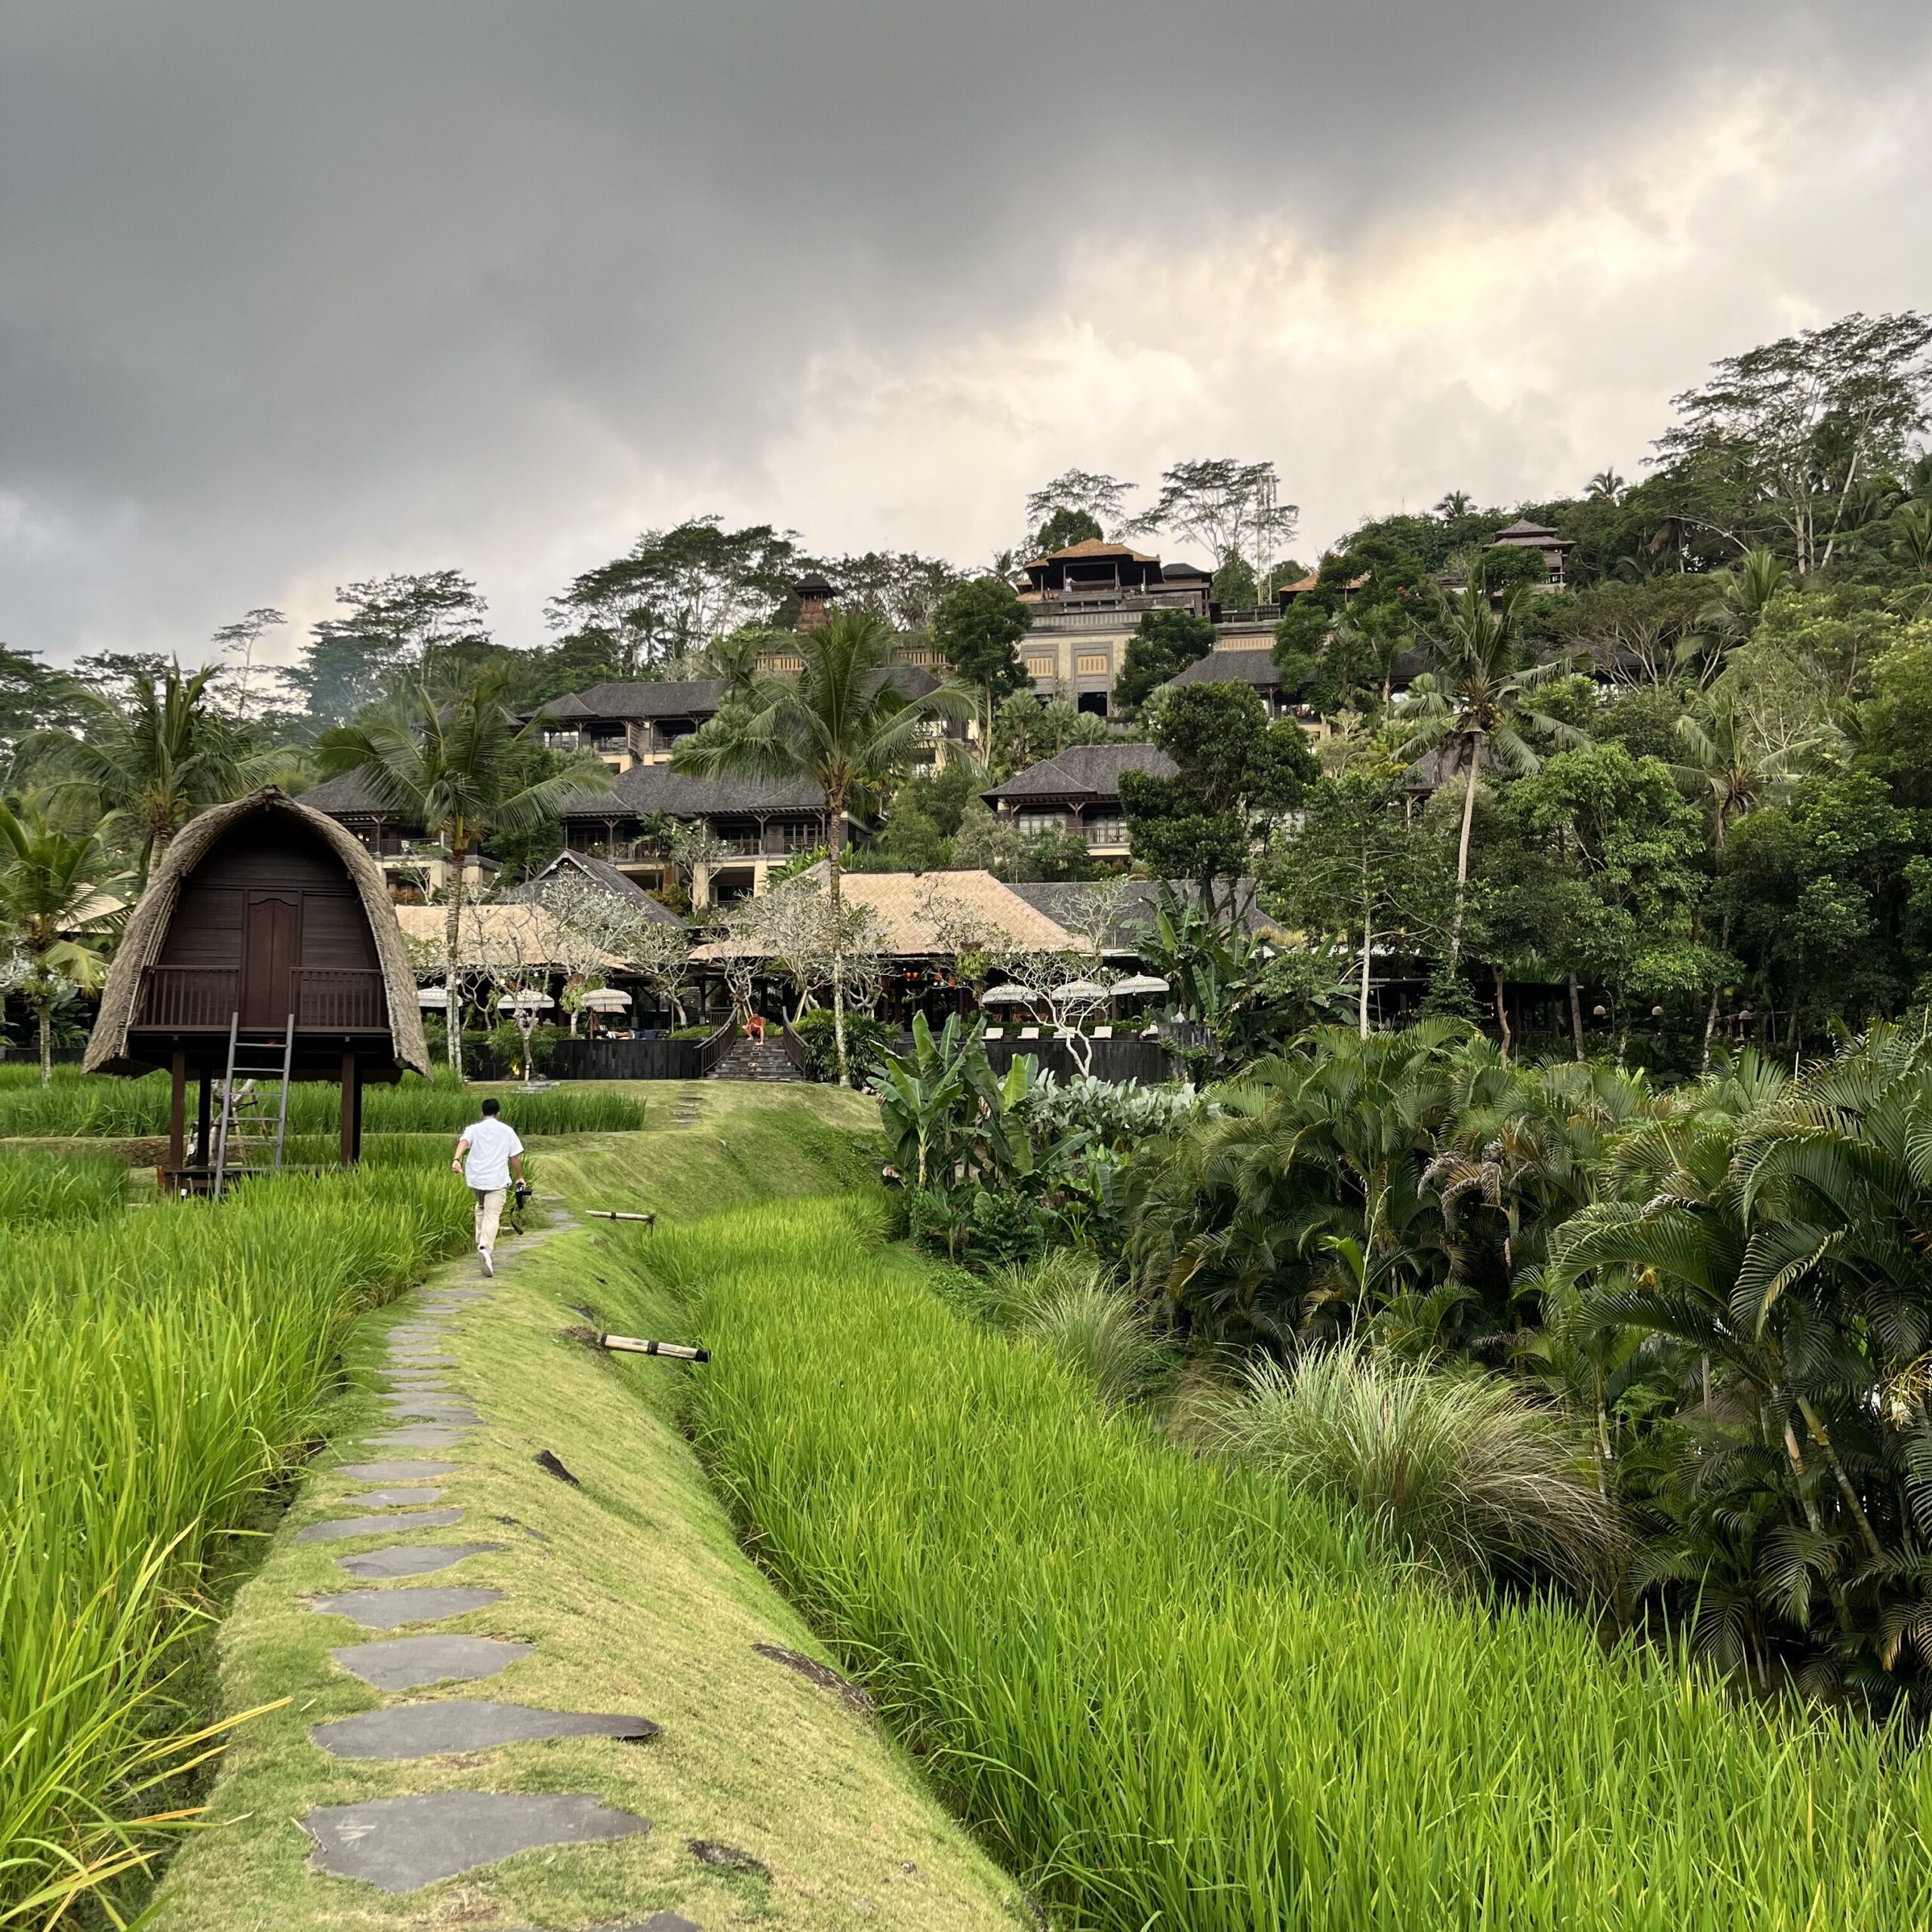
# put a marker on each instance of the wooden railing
(189, 998)
(711, 1051)
(797, 1052)
(341, 1000)
(198, 999)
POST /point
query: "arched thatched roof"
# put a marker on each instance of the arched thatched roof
(147, 926)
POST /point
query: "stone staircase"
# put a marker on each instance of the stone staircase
(750, 1061)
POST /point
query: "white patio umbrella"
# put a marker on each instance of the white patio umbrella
(606, 999)
(436, 997)
(526, 1002)
(1141, 983)
(1080, 989)
(1007, 995)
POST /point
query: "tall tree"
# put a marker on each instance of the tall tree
(1355, 869)
(1786, 434)
(843, 724)
(906, 589)
(1475, 701)
(396, 629)
(978, 625)
(1084, 497)
(1225, 506)
(1236, 777)
(1166, 642)
(239, 640)
(150, 762)
(460, 769)
(50, 886)
(675, 591)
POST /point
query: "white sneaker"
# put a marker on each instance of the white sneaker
(489, 1267)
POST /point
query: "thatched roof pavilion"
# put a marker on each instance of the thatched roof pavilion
(265, 926)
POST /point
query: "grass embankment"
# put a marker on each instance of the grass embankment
(97, 1106)
(157, 1368)
(637, 1599)
(1176, 1697)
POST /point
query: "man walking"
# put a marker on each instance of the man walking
(495, 1153)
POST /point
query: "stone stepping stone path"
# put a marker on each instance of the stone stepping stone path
(383, 1610)
(407, 1663)
(340, 1527)
(399, 1844)
(464, 1723)
(418, 1560)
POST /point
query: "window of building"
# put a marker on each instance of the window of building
(1106, 829)
(1034, 822)
(1090, 664)
(1039, 667)
(1093, 704)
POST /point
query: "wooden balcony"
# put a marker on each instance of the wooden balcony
(205, 999)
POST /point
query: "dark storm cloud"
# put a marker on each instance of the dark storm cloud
(290, 288)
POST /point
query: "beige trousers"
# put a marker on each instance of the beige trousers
(489, 1213)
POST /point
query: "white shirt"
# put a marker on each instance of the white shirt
(492, 1141)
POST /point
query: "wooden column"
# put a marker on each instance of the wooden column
(204, 1121)
(177, 1112)
(352, 1111)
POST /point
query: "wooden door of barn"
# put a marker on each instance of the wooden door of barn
(272, 944)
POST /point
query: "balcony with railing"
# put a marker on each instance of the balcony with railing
(204, 999)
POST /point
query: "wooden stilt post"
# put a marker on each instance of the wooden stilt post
(205, 1120)
(351, 1112)
(177, 1113)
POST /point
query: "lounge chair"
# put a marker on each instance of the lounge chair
(1029, 1032)
(1104, 1032)
(995, 1032)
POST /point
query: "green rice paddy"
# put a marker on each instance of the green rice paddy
(1170, 1696)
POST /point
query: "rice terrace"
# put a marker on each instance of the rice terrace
(965, 969)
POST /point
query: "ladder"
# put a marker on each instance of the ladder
(243, 1134)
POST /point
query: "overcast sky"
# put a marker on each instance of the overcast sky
(295, 293)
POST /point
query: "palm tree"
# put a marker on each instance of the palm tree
(1475, 698)
(1732, 614)
(47, 880)
(1606, 487)
(1722, 759)
(155, 760)
(842, 723)
(460, 768)
(1456, 503)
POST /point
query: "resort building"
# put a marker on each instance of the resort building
(626, 724)
(1524, 535)
(734, 830)
(417, 870)
(1077, 792)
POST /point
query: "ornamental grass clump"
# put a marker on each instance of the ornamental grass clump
(1456, 1471)
(158, 1369)
(1170, 1692)
(1065, 1304)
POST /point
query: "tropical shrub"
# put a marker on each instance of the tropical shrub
(865, 1039)
(1458, 1471)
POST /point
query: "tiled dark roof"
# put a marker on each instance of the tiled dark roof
(646, 788)
(1256, 668)
(599, 872)
(347, 795)
(1084, 771)
(696, 697)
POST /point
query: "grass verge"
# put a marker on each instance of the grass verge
(1175, 1696)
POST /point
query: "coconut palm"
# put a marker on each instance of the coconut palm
(150, 761)
(1475, 699)
(843, 724)
(1606, 487)
(55, 910)
(462, 767)
(1732, 614)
